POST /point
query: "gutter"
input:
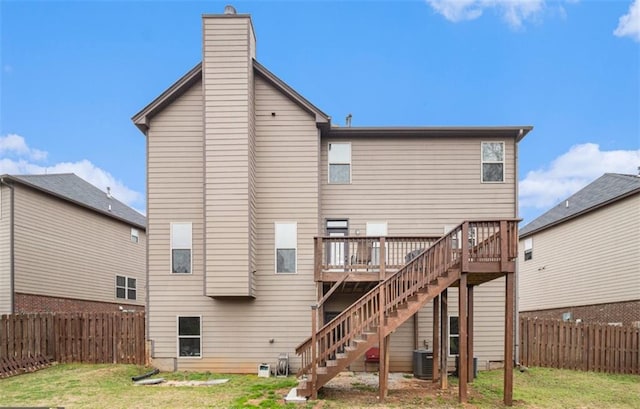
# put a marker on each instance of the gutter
(11, 244)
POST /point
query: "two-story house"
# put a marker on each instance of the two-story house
(259, 208)
(581, 259)
(67, 246)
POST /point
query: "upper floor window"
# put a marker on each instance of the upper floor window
(492, 161)
(125, 288)
(528, 248)
(181, 248)
(135, 235)
(286, 247)
(340, 162)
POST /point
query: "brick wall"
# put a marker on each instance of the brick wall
(29, 303)
(628, 313)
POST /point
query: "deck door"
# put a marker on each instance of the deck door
(337, 251)
(377, 229)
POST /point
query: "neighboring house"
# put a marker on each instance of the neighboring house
(581, 259)
(67, 246)
(243, 172)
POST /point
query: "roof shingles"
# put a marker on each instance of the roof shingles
(606, 188)
(73, 188)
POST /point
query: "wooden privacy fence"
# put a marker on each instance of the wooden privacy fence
(579, 346)
(86, 338)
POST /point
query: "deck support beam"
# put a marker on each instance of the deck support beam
(463, 358)
(508, 339)
(436, 339)
(470, 367)
(444, 325)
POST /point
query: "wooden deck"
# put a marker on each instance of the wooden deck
(398, 276)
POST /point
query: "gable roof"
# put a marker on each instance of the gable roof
(607, 189)
(74, 189)
(142, 118)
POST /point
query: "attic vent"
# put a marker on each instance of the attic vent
(229, 10)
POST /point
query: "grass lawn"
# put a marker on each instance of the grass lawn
(110, 386)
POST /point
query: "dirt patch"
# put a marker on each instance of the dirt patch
(360, 390)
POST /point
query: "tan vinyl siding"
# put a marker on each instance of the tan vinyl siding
(5, 250)
(229, 213)
(75, 254)
(287, 158)
(592, 259)
(417, 185)
(175, 194)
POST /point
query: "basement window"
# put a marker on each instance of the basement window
(189, 337)
(492, 162)
(454, 336)
(528, 249)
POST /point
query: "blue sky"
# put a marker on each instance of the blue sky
(73, 74)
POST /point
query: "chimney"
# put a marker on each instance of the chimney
(228, 51)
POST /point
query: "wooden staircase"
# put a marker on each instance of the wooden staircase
(393, 301)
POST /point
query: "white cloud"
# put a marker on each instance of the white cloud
(571, 171)
(514, 12)
(13, 144)
(629, 24)
(21, 162)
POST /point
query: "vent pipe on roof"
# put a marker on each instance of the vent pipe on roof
(109, 192)
(229, 10)
(566, 203)
(348, 120)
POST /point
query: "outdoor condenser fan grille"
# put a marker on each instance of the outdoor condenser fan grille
(282, 368)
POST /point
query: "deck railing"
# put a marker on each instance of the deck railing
(487, 241)
(367, 254)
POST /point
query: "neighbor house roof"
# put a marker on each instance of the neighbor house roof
(74, 189)
(607, 189)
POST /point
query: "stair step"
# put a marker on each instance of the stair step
(332, 362)
(321, 370)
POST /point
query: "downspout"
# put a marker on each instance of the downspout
(11, 245)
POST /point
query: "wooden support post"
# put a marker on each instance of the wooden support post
(470, 367)
(317, 259)
(383, 259)
(463, 358)
(436, 339)
(508, 339)
(382, 380)
(383, 375)
(416, 331)
(444, 325)
(314, 352)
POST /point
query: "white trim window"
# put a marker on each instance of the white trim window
(528, 248)
(126, 288)
(135, 235)
(181, 248)
(286, 247)
(492, 162)
(190, 336)
(339, 155)
(454, 336)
